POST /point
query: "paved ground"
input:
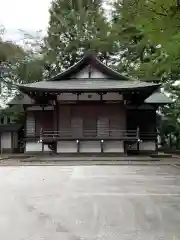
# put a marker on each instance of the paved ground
(90, 202)
(23, 160)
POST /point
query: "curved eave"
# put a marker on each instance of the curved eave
(26, 89)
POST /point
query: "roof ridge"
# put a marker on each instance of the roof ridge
(89, 58)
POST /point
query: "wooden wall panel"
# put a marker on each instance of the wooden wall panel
(103, 121)
(116, 120)
(65, 120)
(30, 124)
(45, 121)
(92, 120)
(77, 121)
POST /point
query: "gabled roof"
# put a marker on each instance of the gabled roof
(159, 98)
(21, 99)
(89, 59)
(67, 81)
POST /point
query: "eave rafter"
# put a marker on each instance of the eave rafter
(43, 98)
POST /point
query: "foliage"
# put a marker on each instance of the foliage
(136, 51)
(170, 125)
(9, 51)
(16, 113)
(19, 64)
(149, 41)
(158, 20)
(29, 70)
(74, 28)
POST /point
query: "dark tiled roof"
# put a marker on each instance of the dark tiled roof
(87, 85)
(159, 98)
(21, 99)
(11, 127)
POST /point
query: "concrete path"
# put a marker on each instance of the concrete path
(90, 203)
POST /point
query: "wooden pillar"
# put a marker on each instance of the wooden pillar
(25, 125)
(1, 142)
(41, 139)
(12, 142)
(90, 71)
(138, 138)
(24, 130)
(57, 123)
(157, 134)
(102, 146)
(43, 146)
(78, 94)
(156, 129)
(42, 131)
(78, 146)
(57, 116)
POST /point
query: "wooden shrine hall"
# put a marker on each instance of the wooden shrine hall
(90, 108)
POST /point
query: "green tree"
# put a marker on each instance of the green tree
(74, 28)
(136, 51)
(159, 20)
(9, 51)
(170, 125)
(31, 67)
(29, 70)
(148, 54)
(20, 65)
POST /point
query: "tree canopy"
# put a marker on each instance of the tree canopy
(151, 47)
(159, 21)
(18, 64)
(74, 28)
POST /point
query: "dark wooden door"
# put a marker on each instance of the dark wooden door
(89, 115)
(44, 120)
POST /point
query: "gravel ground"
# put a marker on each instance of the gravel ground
(90, 202)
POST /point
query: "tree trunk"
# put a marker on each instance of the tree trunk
(177, 141)
(170, 140)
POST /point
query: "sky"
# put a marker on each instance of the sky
(28, 15)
